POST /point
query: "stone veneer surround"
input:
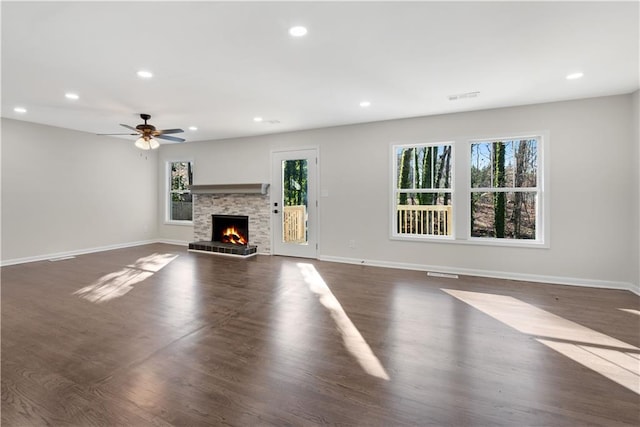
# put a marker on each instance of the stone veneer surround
(255, 206)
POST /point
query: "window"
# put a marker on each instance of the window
(481, 191)
(422, 196)
(180, 206)
(504, 189)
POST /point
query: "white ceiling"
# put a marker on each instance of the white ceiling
(217, 65)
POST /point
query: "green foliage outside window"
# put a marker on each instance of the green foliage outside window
(295, 182)
(504, 188)
(181, 178)
(425, 168)
(423, 190)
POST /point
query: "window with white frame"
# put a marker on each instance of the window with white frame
(422, 195)
(180, 203)
(491, 192)
(504, 189)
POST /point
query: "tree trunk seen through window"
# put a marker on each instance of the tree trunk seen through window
(425, 179)
(405, 173)
(444, 172)
(499, 201)
(521, 156)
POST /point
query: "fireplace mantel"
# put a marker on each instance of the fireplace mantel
(260, 188)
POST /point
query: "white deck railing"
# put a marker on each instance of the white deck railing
(432, 220)
(294, 224)
(435, 220)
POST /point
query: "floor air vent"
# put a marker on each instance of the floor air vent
(62, 258)
(445, 275)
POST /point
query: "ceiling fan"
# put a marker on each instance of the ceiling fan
(148, 133)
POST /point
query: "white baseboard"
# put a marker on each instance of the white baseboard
(558, 280)
(68, 254)
(45, 257)
(173, 242)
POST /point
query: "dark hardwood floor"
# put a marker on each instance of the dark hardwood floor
(155, 335)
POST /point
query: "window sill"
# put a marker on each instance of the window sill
(506, 243)
(503, 243)
(410, 238)
(181, 223)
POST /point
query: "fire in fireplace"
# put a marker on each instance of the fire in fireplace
(232, 229)
(233, 235)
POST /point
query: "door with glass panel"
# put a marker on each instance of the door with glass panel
(294, 203)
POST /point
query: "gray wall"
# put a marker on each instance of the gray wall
(67, 191)
(594, 196)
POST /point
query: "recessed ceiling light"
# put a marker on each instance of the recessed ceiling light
(73, 96)
(297, 31)
(257, 119)
(574, 76)
(145, 74)
(20, 110)
(365, 104)
(193, 128)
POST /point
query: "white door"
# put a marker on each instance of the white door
(294, 205)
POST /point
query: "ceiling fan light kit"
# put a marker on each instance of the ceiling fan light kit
(147, 143)
(148, 133)
(142, 144)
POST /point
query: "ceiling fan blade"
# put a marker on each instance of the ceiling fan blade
(170, 138)
(107, 134)
(131, 127)
(166, 131)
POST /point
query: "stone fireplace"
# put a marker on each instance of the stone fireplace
(250, 201)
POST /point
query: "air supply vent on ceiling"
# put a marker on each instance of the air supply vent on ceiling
(464, 95)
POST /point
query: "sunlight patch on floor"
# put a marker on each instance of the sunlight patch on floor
(613, 364)
(353, 340)
(119, 283)
(532, 320)
(630, 310)
(592, 349)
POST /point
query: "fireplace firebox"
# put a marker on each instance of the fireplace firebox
(229, 236)
(232, 229)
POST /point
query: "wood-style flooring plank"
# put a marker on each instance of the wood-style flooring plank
(156, 335)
